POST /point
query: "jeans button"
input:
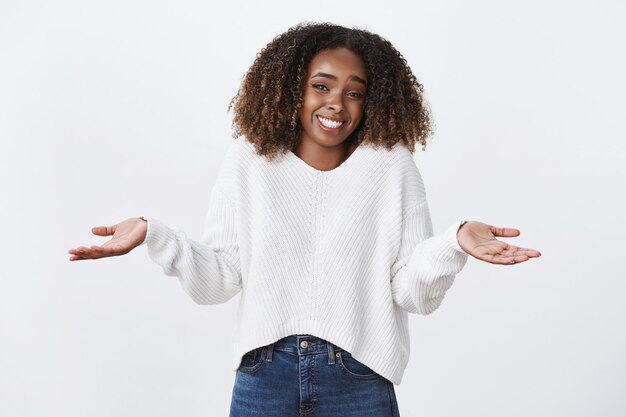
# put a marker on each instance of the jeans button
(304, 344)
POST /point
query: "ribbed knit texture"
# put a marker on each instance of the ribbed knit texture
(343, 254)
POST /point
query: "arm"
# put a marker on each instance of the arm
(208, 270)
(426, 263)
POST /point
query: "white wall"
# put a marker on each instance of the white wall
(115, 109)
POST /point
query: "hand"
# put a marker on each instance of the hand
(127, 235)
(479, 240)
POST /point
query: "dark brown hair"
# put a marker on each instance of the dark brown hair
(267, 105)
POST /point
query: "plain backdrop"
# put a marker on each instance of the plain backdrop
(110, 110)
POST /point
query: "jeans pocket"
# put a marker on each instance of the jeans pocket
(355, 368)
(253, 360)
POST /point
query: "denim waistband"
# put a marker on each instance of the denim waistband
(305, 344)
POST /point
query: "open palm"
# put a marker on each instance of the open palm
(479, 240)
(127, 235)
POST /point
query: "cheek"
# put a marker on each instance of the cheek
(304, 118)
(357, 112)
(311, 103)
(305, 109)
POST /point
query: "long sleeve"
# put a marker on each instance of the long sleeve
(209, 270)
(426, 264)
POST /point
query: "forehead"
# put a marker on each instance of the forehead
(338, 61)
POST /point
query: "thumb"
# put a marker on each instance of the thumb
(104, 230)
(504, 231)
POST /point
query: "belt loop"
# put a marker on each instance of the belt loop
(270, 351)
(331, 353)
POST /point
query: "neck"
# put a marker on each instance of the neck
(323, 158)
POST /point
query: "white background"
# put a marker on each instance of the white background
(114, 109)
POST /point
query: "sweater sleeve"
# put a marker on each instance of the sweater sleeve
(426, 264)
(209, 269)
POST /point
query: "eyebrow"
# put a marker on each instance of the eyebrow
(332, 77)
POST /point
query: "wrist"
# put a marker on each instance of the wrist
(457, 243)
(145, 229)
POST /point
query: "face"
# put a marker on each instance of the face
(333, 97)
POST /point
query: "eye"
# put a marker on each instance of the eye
(356, 94)
(320, 87)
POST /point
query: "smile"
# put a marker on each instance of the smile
(330, 124)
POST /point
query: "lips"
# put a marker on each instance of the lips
(329, 123)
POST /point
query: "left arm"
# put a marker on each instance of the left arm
(426, 263)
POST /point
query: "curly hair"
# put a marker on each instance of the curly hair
(267, 106)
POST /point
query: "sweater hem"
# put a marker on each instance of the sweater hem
(381, 364)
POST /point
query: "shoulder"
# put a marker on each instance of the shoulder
(239, 154)
(237, 148)
(232, 163)
(401, 163)
(405, 175)
(240, 163)
(398, 155)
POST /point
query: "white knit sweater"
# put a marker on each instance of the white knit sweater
(343, 254)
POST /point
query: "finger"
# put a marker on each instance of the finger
(83, 252)
(516, 250)
(519, 258)
(102, 251)
(104, 230)
(501, 253)
(75, 254)
(78, 251)
(504, 231)
(79, 257)
(531, 253)
(505, 260)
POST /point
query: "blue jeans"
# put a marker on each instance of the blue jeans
(303, 375)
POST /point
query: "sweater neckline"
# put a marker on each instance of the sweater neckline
(344, 165)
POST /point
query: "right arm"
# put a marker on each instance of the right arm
(209, 270)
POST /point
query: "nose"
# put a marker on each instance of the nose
(335, 102)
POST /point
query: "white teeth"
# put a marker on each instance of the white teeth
(329, 123)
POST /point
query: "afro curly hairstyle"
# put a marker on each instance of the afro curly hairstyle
(268, 103)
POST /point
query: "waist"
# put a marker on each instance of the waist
(305, 344)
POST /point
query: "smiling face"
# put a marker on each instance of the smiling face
(333, 97)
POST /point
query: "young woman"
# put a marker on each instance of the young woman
(319, 219)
